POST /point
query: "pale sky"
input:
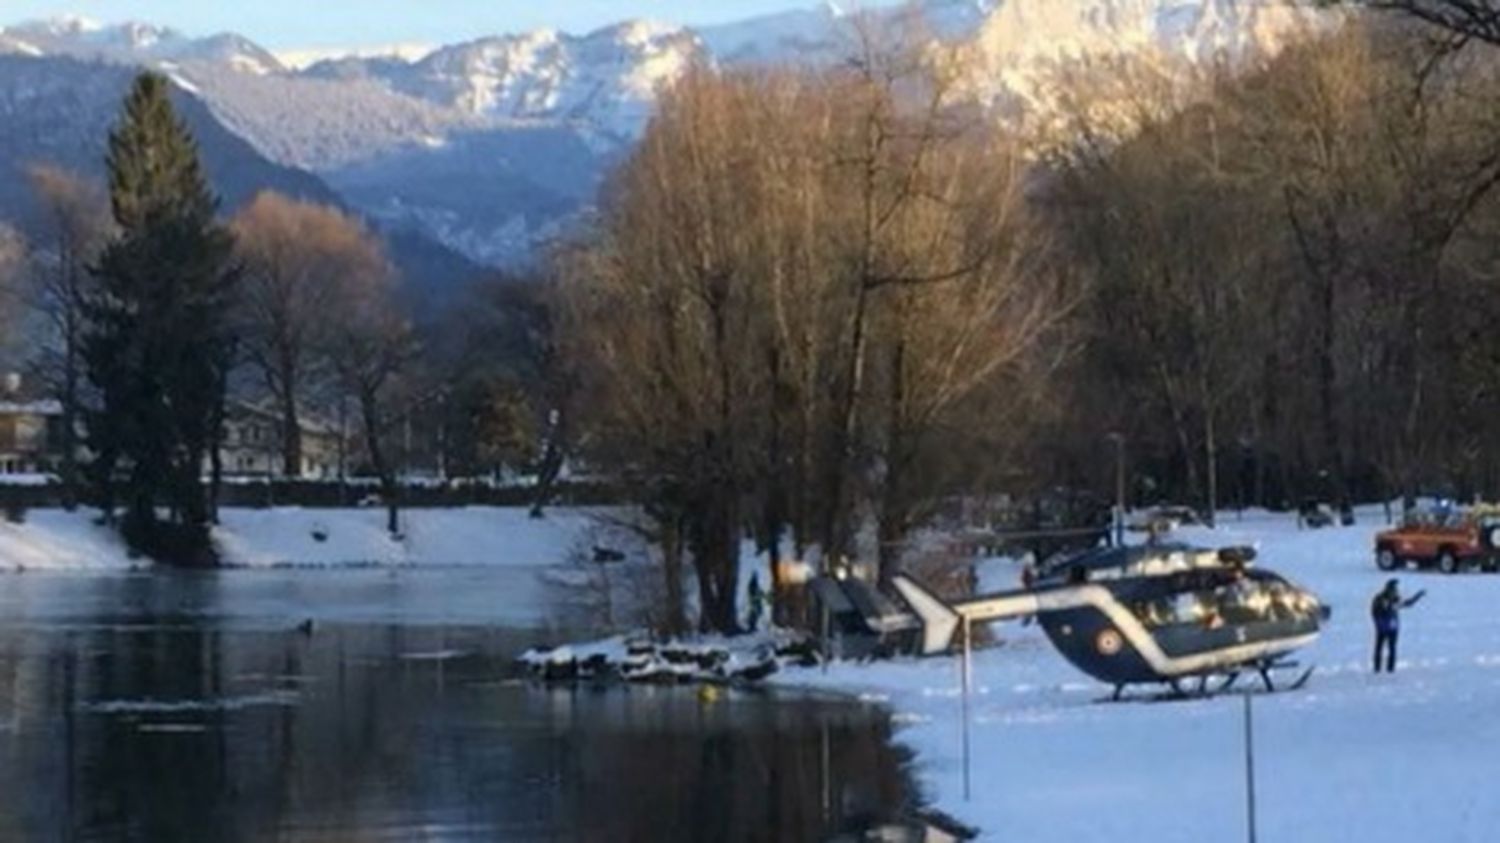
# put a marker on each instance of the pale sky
(300, 24)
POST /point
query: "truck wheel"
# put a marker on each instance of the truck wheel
(1386, 559)
(1490, 536)
(1448, 563)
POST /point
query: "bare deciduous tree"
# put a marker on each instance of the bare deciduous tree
(1464, 20)
(301, 262)
(799, 280)
(368, 347)
(78, 225)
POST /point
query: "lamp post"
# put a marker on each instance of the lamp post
(1119, 440)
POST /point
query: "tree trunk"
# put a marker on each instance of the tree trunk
(68, 436)
(1211, 466)
(716, 559)
(1327, 401)
(838, 531)
(343, 451)
(291, 428)
(140, 526)
(554, 453)
(674, 621)
(369, 409)
(892, 528)
(216, 469)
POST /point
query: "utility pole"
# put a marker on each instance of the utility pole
(967, 681)
(1249, 769)
(1119, 440)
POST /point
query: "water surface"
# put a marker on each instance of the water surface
(195, 707)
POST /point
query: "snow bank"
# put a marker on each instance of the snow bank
(704, 658)
(466, 536)
(51, 539)
(295, 537)
(1353, 756)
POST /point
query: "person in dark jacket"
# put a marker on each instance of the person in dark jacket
(757, 597)
(1028, 576)
(1385, 611)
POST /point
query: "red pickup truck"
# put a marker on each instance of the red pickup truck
(1449, 540)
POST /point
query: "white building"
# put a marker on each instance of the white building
(29, 436)
(252, 444)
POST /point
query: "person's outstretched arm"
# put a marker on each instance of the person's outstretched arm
(1412, 601)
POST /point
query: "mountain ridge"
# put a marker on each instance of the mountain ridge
(522, 127)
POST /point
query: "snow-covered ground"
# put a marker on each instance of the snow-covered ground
(51, 539)
(466, 536)
(1353, 756)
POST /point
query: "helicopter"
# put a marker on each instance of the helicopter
(1165, 615)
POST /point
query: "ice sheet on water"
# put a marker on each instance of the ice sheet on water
(434, 656)
(172, 728)
(156, 706)
(280, 678)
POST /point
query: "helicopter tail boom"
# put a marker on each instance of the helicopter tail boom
(940, 619)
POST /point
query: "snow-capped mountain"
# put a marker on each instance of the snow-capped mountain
(1021, 53)
(301, 59)
(492, 145)
(607, 78)
(134, 43)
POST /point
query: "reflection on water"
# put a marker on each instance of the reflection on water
(167, 714)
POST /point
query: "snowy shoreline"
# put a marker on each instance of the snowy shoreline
(294, 537)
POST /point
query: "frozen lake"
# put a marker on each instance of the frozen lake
(173, 706)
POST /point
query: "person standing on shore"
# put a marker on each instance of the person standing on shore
(1385, 611)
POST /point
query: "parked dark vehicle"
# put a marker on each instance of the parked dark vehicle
(1315, 514)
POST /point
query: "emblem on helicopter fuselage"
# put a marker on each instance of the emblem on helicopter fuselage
(1109, 642)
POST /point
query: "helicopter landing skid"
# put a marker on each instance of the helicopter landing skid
(1185, 688)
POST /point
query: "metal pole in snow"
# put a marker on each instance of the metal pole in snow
(966, 680)
(827, 648)
(827, 789)
(1120, 492)
(1249, 768)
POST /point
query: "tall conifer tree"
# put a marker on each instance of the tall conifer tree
(158, 342)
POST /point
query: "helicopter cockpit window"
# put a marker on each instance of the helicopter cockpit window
(1155, 613)
(1185, 608)
(1284, 602)
(1242, 602)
